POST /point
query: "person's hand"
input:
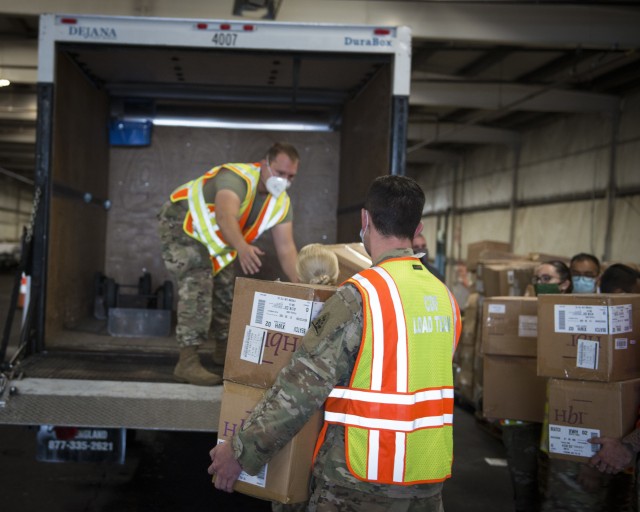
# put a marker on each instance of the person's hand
(249, 258)
(224, 467)
(612, 457)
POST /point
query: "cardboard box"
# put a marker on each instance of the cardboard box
(510, 326)
(268, 320)
(579, 410)
(512, 389)
(507, 278)
(352, 258)
(285, 478)
(541, 257)
(470, 320)
(475, 249)
(589, 336)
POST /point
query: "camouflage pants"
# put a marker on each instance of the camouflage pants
(521, 443)
(204, 301)
(577, 487)
(327, 497)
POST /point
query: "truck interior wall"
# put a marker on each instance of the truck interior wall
(365, 150)
(16, 199)
(142, 178)
(567, 156)
(79, 162)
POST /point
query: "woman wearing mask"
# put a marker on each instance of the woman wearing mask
(522, 438)
(552, 277)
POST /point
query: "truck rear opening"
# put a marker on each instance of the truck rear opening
(130, 108)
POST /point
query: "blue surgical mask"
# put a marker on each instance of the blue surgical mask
(583, 284)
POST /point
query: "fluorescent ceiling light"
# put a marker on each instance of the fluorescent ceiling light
(236, 125)
(4, 82)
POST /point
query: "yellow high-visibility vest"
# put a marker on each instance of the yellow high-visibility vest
(398, 408)
(200, 221)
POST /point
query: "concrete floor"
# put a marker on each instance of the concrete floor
(166, 471)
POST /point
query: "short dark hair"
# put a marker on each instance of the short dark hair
(395, 205)
(618, 277)
(283, 147)
(583, 256)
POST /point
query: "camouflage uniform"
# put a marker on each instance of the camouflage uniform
(522, 440)
(204, 301)
(325, 359)
(577, 487)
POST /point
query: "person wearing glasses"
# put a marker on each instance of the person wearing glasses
(571, 485)
(205, 225)
(552, 277)
(585, 270)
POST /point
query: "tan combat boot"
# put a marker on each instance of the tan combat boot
(189, 369)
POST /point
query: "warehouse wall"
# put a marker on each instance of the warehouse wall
(562, 180)
(15, 209)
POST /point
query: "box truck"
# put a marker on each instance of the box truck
(129, 108)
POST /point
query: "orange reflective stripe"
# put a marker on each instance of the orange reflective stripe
(180, 194)
(386, 455)
(252, 233)
(399, 412)
(188, 223)
(244, 217)
(390, 331)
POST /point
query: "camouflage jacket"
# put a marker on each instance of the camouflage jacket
(325, 359)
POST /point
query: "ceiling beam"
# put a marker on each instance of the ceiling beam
(428, 133)
(431, 156)
(507, 97)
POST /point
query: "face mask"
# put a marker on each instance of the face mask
(583, 284)
(542, 288)
(276, 185)
(366, 225)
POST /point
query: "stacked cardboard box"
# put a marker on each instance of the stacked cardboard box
(479, 250)
(504, 278)
(589, 345)
(512, 388)
(463, 359)
(352, 258)
(286, 477)
(268, 321)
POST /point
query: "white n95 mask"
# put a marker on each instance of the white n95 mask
(276, 185)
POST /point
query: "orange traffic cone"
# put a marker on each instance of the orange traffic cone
(23, 291)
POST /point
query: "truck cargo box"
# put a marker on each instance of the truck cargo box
(128, 109)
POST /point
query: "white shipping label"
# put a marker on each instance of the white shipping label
(315, 310)
(260, 480)
(588, 352)
(581, 319)
(621, 344)
(528, 326)
(620, 319)
(253, 344)
(572, 440)
(498, 309)
(279, 313)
